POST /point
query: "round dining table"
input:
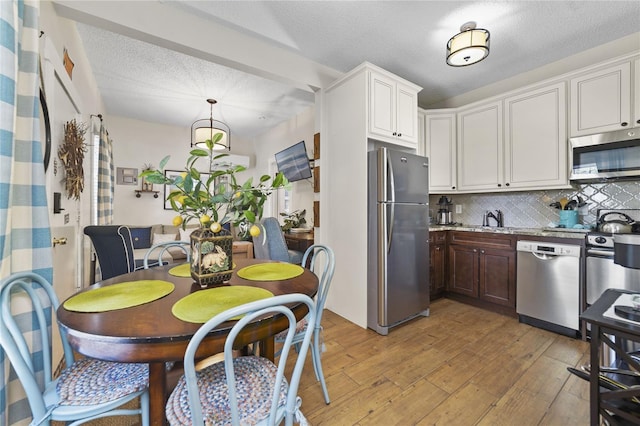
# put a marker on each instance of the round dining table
(150, 333)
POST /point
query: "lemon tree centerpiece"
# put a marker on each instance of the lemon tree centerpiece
(214, 199)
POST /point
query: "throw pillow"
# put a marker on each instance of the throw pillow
(141, 237)
(163, 238)
(185, 234)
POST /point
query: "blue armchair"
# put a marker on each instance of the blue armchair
(270, 244)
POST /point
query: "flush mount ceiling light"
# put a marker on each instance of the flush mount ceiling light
(205, 129)
(469, 46)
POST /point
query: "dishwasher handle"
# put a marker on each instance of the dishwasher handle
(544, 256)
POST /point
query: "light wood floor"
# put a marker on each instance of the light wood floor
(460, 366)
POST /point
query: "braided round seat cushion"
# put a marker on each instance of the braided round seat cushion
(301, 327)
(90, 381)
(255, 380)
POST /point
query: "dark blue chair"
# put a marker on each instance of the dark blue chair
(114, 248)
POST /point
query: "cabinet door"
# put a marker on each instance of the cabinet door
(497, 280)
(406, 113)
(480, 150)
(601, 101)
(535, 139)
(463, 270)
(440, 138)
(421, 149)
(636, 93)
(437, 268)
(382, 106)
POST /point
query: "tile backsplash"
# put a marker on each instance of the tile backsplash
(531, 209)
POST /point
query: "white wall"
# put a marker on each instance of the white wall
(136, 143)
(298, 128)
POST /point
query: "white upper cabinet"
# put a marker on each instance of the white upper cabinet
(636, 93)
(393, 110)
(440, 147)
(480, 148)
(536, 139)
(422, 148)
(601, 100)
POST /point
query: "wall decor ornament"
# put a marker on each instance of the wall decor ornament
(71, 154)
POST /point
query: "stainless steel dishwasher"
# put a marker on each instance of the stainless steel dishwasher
(548, 286)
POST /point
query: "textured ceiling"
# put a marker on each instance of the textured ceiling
(407, 38)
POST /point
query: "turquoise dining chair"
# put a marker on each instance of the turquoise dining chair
(246, 390)
(161, 248)
(86, 389)
(323, 264)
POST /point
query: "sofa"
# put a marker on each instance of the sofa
(144, 237)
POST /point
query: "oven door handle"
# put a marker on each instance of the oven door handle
(600, 253)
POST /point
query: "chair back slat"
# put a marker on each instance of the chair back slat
(323, 264)
(161, 248)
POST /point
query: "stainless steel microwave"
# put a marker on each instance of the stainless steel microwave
(611, 155)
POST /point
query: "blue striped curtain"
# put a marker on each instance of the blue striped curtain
(25, 235)
(106, 179)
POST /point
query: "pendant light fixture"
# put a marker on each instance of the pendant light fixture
(469, 46)
(205, 129)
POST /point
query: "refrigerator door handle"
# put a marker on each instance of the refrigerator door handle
(390, 226)
(392, 182)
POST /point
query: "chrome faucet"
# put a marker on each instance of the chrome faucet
(498, 217)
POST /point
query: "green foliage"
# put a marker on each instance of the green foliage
(294, 219)
(194, 198)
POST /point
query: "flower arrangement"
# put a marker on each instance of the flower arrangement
(215, 199)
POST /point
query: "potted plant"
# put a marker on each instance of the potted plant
(214, 200)
(295, 219)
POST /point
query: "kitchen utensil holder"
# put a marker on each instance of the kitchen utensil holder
(568, 218)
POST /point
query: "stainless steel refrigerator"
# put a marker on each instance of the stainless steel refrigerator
(398, 240)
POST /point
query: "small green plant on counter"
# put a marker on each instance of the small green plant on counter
(295, 219)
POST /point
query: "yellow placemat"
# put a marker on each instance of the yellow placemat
(183, 270)
(270, 271)
(119, 296)
(203, 305)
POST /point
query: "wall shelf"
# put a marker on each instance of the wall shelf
(139, 193)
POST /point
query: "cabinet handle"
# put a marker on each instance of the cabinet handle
(507, 184)
(499, 185)
(475, 250)
(482, 251)
(437, 248)
(638, 121)
(399, 134)
(624, 124)
(395, 134)
(453, 187)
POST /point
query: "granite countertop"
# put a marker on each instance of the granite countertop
(541, 232)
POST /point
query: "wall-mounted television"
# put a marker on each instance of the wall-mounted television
(294, 163)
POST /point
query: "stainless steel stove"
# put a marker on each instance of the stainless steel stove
(602, 272)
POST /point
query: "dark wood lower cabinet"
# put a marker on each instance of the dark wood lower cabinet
(437, 264)
(482, 270)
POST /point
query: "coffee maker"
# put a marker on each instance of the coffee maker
(445, 216)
